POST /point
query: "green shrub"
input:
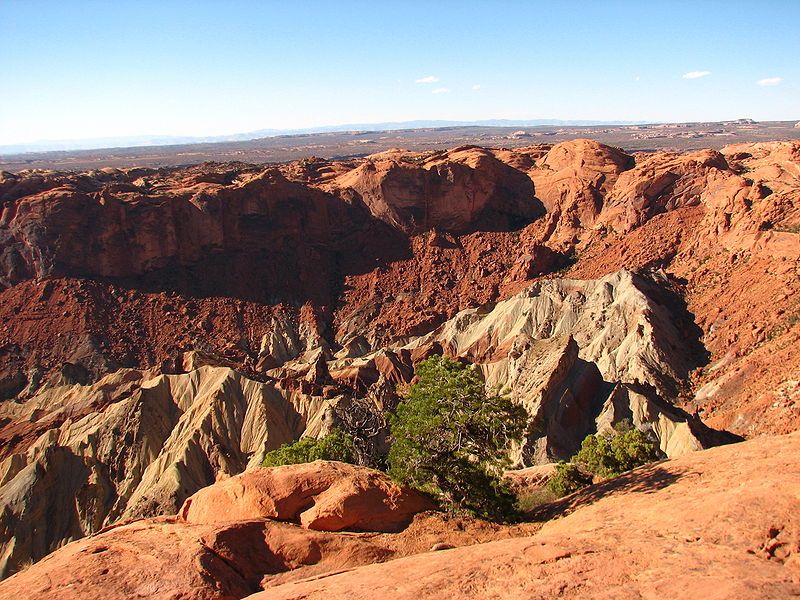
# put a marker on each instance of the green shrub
(604, 456)
(567, 479)
(611, 455)
(337, 445)
(451, 439)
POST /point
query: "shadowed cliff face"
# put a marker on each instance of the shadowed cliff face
(251, 235)
(466, 189)
(263, 238)
(204, 315)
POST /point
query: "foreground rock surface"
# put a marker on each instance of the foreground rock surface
(721, 523)
(228, 541)
(166, 558)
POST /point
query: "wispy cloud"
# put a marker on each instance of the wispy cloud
(476, 87)
(428, 79)
(769, 81)
(440, 91)
(696, 74)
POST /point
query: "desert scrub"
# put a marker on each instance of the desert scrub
(610, 455)
(532, 499)
(567, 479)
(604, 456)
(337, 445)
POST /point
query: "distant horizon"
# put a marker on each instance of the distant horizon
(87, 70)
(156, 140)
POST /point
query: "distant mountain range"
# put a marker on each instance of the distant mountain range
(167, 140)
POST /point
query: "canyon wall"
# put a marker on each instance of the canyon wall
(162, 329)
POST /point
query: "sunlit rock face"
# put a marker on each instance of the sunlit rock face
(160, 330)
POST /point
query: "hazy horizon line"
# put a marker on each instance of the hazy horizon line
(145, 140)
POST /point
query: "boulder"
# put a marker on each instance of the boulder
(323, 495)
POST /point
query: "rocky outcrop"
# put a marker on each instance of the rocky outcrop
(326, 496)
(165, 557)
(615, 321)
(572, 180)
(581, 356)
(459, 190)
(631, 537)
(660, 183)
(296, 249)
(90, 228)
(723, 226)
(660, 518)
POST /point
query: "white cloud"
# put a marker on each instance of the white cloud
(696, 74)
(476, 87)
(428, 79)
(440, 91)
(769, 81)
(637, 78)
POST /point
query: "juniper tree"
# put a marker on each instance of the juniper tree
(451, 438)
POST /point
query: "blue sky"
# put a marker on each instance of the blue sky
(94, 69)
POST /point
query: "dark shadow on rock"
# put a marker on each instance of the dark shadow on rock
(47, 514)
(292, 266)
(669, 294)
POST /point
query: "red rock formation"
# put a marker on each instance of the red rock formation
(229, 545)
(573, 180)
(312, 277)
(326, 496)
(459, 190)
(660, 183)
(256, 237)
(731, 513)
